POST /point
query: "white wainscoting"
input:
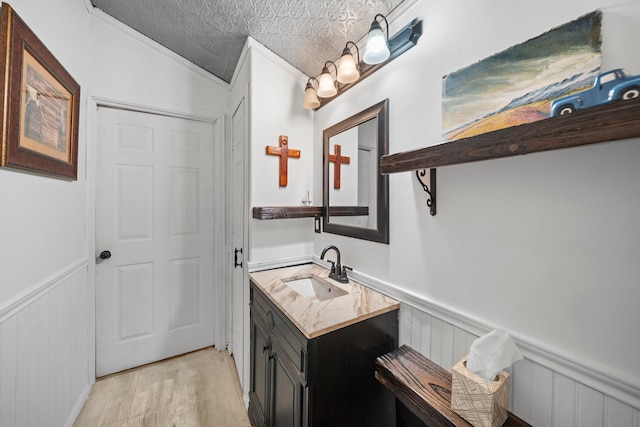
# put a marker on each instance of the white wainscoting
(538, 395)
(44, 364)
(546, 389)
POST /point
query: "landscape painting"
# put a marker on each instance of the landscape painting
(517, 85)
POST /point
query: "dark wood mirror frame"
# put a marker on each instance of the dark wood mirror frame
(379, 234)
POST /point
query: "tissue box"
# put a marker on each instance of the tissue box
(480, 402)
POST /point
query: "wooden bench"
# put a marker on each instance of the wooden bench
(424, 389)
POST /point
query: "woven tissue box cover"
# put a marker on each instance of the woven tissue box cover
(480, 402)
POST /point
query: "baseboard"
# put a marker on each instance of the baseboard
(77, 407)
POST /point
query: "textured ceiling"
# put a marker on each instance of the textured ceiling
(211, 33)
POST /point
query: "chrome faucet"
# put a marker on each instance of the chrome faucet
(338, 271)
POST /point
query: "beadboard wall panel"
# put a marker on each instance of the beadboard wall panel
(43, 353)
(538, 394)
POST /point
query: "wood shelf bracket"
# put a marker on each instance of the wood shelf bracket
(431, 201)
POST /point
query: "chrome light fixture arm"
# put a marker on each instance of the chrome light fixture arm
(386, 23)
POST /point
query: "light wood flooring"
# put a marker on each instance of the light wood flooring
(196, 389)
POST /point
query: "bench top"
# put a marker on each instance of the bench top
(423, 387)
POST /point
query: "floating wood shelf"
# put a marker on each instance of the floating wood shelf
(610, 122)
(283, 212)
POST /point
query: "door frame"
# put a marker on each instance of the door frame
(241, 101)
(94, 103)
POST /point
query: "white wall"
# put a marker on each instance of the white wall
(129, 68)
(47, 245)
(544, 245)
(44, 370)
(276, 109)
(43, 219)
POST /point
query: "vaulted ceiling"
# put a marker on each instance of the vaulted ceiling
(212, 33)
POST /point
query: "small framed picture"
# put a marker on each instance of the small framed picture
(40, 104)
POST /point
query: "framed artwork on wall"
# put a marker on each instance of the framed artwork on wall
(40, 104)
(517, 85)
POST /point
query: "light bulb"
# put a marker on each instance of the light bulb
(377, 50)
(326, 85)
(348, 69)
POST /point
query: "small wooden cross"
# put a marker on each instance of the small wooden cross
(338, 160)
(284, 152)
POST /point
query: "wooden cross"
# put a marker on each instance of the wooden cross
(284, 152)
(338, 160)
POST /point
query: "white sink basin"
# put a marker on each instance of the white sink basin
(314, 287)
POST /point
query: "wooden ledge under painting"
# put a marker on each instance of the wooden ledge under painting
(517, 85)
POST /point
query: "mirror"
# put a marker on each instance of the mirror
(355, 194)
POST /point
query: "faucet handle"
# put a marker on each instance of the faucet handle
(333, 266)
(344, 272)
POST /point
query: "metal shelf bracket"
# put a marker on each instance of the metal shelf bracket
(431, 202)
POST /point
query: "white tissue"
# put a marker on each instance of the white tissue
(492, 353)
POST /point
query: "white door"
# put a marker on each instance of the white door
(154, 214)
(240, 300)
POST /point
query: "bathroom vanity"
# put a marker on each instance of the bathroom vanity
(314, 343)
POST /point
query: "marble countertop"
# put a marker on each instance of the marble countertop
(313, 317)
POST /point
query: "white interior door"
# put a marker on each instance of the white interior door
(240, 299)
(154, 214)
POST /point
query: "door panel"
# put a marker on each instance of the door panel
(260, 362)
(154, 213)
(185, 276)
(287, 403)
(134, 299)
(239, 293)
(134, 205)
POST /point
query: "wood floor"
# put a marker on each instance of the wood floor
(196, 389)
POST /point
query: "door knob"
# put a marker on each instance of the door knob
(105, 255)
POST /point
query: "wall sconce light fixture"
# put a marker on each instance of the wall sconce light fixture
(379, 51)
(311, 100)
(326, 83)
(377, 48)
(348, 67)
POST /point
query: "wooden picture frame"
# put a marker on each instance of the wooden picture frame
(39, 101)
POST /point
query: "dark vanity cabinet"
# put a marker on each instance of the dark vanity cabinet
(277, 385)
(328, 380)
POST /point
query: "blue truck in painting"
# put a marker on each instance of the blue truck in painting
(610, 86)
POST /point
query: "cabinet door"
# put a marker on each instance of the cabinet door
(287, 392)
(259, 385)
